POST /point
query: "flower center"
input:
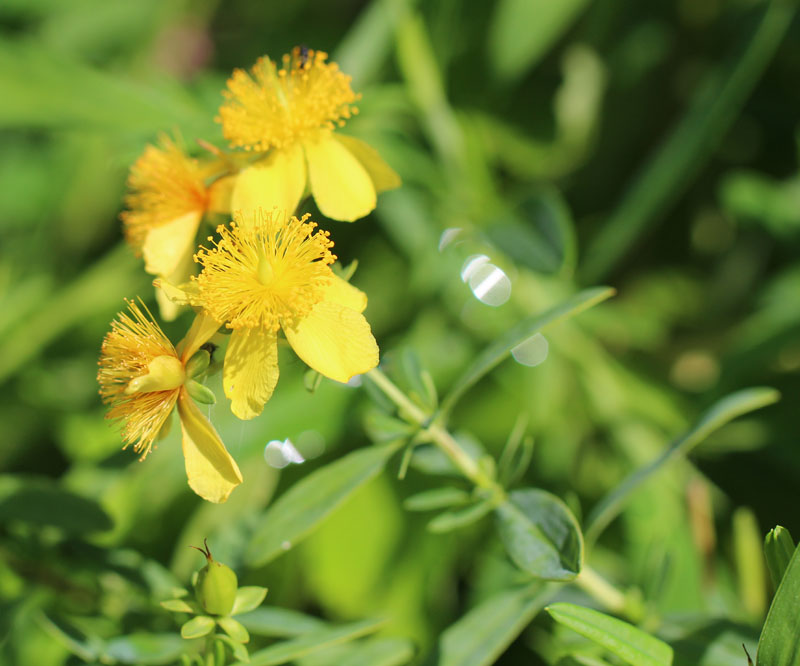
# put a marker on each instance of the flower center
(265, 274)
(274, 108)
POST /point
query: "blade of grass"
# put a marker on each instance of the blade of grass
(722, 412)
(685, 151)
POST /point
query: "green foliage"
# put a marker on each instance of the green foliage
(652, 146)
(630, 644)
(311, 500)
(540, 534)
(780, 639)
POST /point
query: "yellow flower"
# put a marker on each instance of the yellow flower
(292, 112)
(142, 377)
(167, 200)
(275, 274)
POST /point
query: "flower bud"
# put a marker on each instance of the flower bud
(198, 364)
(216, 585)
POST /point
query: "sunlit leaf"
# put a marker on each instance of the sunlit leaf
(307, 503)
(248, 597)
(287, 651)
(279, 622)
(197, 626)
(437, 498)
(618, 637)
(145, 648)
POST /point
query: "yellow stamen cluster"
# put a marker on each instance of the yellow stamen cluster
(274, 107)
(133, 343)
(266, 274)
(164, 184)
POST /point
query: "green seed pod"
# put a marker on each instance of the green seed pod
(216, 585)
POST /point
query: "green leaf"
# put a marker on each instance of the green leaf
(144, 648)
(722, 412)
(544, 239)
(281, 653)
(47, 89)
(41, 503)
(540, 534)
(279, 622)
(664, 178)
(482, 635)
(380, 652)
(522, 31)
(778, 549)
(248, 598)
(438, 498)
(234, 629)
(779, 644)
(457, 518)
(239, 651)
(306, 504)
(197, 626)
(620, 638)
(501, 348)
(179, 606)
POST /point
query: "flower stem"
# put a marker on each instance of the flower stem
(439, 435)
(589, 580)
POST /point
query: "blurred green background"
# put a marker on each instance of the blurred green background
(649, 146)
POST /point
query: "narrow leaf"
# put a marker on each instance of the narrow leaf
(287, 651)
(779, 644)
(306, 504)
(620, 638)
(279, 622)
(483, 634)
(722, 412)
(438, 498)
(457, 518)
(665, 177)
(540, 534)
(778, 550)
(501, 348)
(145, 648)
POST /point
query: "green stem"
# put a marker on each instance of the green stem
(589, 580)
(439, 435)
(601, 590)
(208, 651)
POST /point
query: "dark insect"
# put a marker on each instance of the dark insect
(210, 347)
(303, 53)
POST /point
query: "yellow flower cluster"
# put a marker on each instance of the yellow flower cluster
(264, 274)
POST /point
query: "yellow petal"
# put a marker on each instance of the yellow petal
(171, 298)
(341, 187)
(342, 292)
(382, 175)
(212, 472)
(334, 340)
(202, 329)
(166, 245)
(276, 182)
(251, 370)
(167, 308)
(220, 194)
